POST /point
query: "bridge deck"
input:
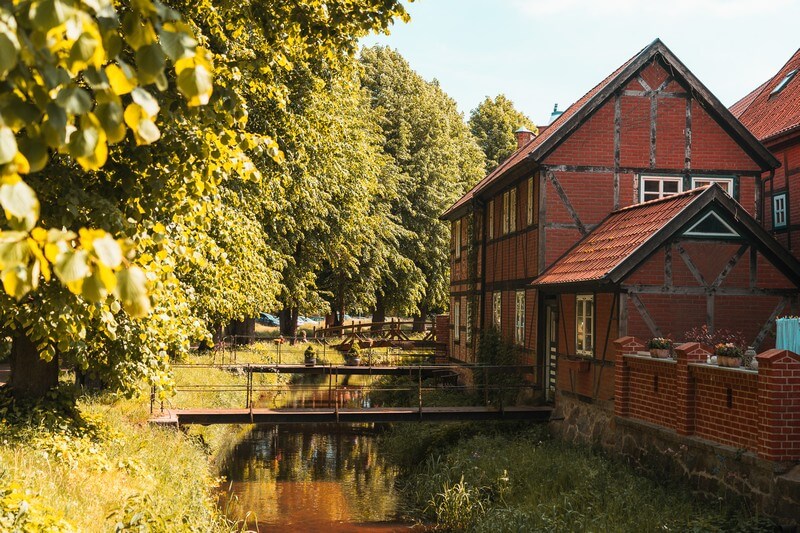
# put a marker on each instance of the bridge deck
(373, 414)
(384, 370)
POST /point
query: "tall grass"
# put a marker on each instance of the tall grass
(486, 478)
(97, 466)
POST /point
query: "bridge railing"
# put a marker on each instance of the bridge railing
(417, 391)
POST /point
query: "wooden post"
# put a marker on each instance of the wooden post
(420, 392)
(330, 383)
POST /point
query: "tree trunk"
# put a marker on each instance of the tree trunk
(288, 322)
(379, 313)
(31, 376)
(419, 321)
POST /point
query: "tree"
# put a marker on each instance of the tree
(493, 124)
(76, 77)
(437, 160)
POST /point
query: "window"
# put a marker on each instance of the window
(519, 318)
(505, 212)
(497, 309)
(469, 322)
(490, 220)
(457, 229)
(778, 88)
(530, 201)
(512, 210)
(655, 187)
(509, 211)
(584, 324)
(457, 320)
(779, 211)
(725, 183)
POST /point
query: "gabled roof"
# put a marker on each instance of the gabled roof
(576, 114)
(627, 237)
(769, 115)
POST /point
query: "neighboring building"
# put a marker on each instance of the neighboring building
(648, 131)
(772, 114)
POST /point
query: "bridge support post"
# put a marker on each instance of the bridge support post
(420, 393)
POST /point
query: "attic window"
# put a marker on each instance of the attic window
(711, 225)
(778, 88)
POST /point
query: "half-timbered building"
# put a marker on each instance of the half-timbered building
(772, 113)
(649, 131)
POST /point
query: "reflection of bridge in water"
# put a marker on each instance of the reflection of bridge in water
(494, 394)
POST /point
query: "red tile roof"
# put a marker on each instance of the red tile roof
(766, 115)
(615, 239)
(544, 134)
(548, 139)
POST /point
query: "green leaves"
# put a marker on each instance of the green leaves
(131, 290)
(19, 203)
(8, 145)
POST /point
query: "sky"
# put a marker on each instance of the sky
(542, 52)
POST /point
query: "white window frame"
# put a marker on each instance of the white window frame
(497, 310)
(457, 321)
(779, 211)
(584, 324)
(519, 318)
(661, 179)
(490, 220)
(457, 237)
(727, 182)
(530, 201)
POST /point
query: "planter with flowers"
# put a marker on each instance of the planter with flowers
(728, 354)
(660, 348)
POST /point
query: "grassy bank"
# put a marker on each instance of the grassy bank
(499, 478)
(95, 464)
(99, 466)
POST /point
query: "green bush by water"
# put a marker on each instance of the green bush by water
(492, 478)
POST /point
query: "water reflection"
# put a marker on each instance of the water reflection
(311, 478)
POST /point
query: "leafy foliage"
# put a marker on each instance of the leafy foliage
(178, 205)
(493, 123)
(436, 159)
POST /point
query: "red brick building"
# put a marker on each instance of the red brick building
(772, 113)
(648, 131)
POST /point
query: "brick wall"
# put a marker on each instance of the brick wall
(753, 411)
(441, 332)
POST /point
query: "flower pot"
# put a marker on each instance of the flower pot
(730, 362)
(659, 353)
(352, 361)
(310, 360)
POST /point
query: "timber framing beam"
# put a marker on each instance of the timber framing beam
(639, 305)
(599, 169)
(704, 291)
(551, 177)
(768, 324)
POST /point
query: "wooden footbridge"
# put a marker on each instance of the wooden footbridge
(180, 417)
(340, 403)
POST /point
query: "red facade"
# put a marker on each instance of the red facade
(649, 130)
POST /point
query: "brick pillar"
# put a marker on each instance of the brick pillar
(622, 374)
(690, 352)
(779, 405)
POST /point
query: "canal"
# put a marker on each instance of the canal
(311, 478)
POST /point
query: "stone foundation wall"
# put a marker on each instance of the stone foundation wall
(709, 469)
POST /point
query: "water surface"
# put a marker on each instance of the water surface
(325, 478)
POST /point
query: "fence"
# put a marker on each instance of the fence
(757, 411)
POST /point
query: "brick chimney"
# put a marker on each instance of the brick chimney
(523, 135)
